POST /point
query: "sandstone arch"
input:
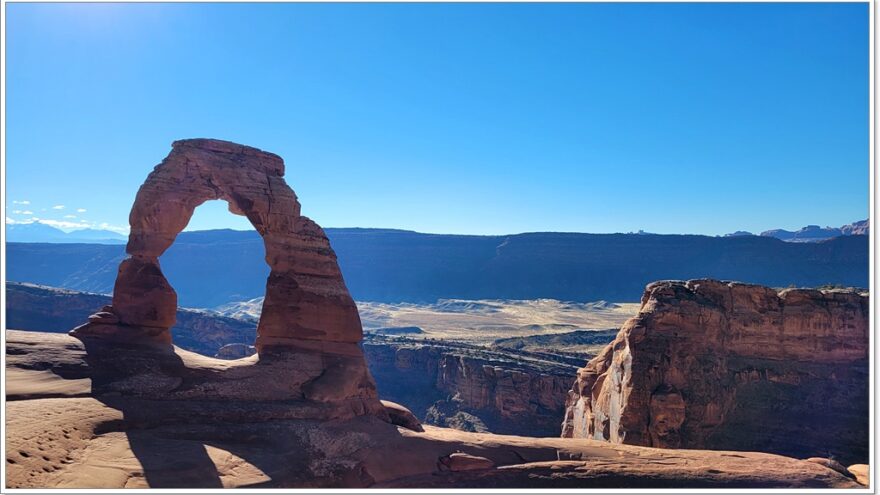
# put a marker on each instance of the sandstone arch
(307, 304)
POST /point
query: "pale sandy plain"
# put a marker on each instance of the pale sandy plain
(478, 321)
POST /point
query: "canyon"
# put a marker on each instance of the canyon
(470, 387)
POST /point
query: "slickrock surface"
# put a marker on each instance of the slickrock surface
(309, 328)
(72, 424)
(716, 365)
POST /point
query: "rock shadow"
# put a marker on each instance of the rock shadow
(167, 462)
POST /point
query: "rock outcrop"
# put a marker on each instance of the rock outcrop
(714, 365)
(309, 329)
(306, 301)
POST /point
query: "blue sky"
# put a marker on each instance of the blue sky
(453, 118)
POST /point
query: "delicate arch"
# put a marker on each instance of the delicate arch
(306, 299)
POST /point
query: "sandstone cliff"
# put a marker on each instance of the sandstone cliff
(708, 364)
(470, 387)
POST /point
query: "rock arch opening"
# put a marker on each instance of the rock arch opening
(306, 306)
(219, 259)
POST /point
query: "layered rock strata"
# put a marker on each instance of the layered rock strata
(470, 387)
(309, 328)
(709, 364)
(306, 300)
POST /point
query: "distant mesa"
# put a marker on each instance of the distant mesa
(815, 233)
(739, 233)
(856, 228)
(406, 267)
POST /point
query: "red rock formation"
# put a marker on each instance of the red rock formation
(402, 416)
(504, 392)
(307, 303)
(307, 311)
(708, 364)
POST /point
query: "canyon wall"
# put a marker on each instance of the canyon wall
(714, 365)
(469, 387)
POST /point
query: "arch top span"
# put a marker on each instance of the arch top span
(307, 304)
(251, 181)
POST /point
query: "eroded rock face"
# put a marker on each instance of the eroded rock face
(716, 365)
(469, 387)
(309, 323)
(306, 298)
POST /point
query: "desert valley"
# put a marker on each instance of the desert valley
(254, 359)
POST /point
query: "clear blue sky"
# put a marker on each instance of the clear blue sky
(453, 118)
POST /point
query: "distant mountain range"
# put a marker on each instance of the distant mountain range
(211, 268)
(811, 233)
(40, 232)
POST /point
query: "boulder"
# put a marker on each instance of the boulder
(459, 461)
(830, 464)
(861, 472)
(402, 416)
